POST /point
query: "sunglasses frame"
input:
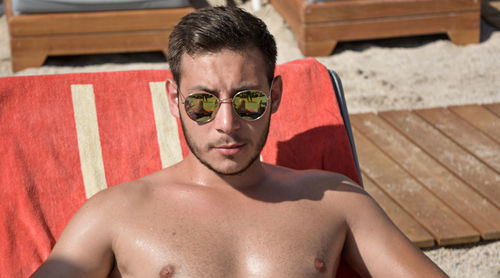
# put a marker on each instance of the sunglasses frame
(226, 100)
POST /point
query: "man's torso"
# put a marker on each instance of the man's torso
(197, 231)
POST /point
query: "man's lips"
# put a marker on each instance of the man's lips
(230, 149)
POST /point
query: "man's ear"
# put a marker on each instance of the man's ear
(276, 91)
(173, 99)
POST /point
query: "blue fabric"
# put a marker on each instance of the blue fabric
(321, 0)
(54, 6)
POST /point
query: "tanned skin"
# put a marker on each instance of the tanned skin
(199, 219)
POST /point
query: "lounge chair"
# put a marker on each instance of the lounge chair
(320, 24)
(38, 29)
(64, 137)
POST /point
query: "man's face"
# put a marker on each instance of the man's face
(227, 145)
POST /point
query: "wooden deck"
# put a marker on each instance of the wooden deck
(436, 172)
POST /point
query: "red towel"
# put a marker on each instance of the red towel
(49, 165)
(308, 131)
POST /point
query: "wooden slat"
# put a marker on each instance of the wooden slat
(481, 118)
(318, 26)
(392, 27)
(414, 231)
(319, 48)
(367, 9)
(95, 22)
(97, 43)
(32, 51)
(494, 108)
(446, 227)
(465, 135)
(466, 202)
(466, 166)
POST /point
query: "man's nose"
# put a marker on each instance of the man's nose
(226, 121)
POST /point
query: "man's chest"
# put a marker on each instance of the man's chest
(260, 241)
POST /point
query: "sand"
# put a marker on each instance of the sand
(402, 73)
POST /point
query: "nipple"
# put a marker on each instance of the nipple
(167, 271)
(319, 265)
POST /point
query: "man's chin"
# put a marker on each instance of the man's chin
(229, 166)
(230, 170)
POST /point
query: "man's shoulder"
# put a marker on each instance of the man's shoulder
(316, 177)
(323, 185)
(125, 194)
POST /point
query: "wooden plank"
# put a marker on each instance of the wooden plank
(392, 27)
(32, 51)
(458, 161)
(95, 22)
(464, 37)
(494, 108)
(444, 225)
(319, 26)
(481, 118)
(465, 201)
(320, 48)
(414, 231)
(369, 9)
(465, 135)
(94, 43)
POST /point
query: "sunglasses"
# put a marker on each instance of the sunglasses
(249, 105)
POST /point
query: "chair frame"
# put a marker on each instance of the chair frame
(319, 26)
(339, 93)
(33, 37)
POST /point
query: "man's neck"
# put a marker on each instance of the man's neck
(200, 174)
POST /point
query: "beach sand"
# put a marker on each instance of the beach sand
(377, 75)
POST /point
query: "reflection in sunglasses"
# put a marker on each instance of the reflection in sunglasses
(249, 105)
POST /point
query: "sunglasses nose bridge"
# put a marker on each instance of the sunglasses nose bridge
(226, 100)
(225, 119)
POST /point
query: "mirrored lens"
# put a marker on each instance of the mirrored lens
(201, 107)
(250, 105)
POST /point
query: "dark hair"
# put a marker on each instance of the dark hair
(212, 29)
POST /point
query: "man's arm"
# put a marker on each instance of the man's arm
(84, 247)
(374, 245)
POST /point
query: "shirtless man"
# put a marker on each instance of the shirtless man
(221, 212)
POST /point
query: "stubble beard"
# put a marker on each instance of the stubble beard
(196, 151)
